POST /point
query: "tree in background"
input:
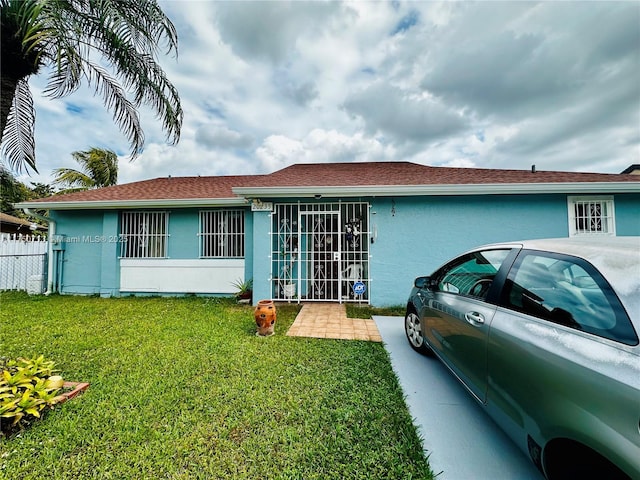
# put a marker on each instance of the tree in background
(13, 191)
(42, 190)
(98, 168)
(69, 36)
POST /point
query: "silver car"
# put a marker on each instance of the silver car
(544, 334)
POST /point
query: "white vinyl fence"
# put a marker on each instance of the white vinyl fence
(23, 260)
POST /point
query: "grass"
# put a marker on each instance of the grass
(181, 388)
(367, 311)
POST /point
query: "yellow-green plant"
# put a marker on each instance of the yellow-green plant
(244, 287)
(27, 387)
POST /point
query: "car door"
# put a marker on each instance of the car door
(560, 357)
(456, 315)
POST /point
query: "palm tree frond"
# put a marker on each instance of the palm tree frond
(68, 35)
(99, 164)
(126, 34)
(66, 78)
(124, 112)
(68, 177)
(99, 169)
(18, 143)
(129, 34)
(142, 22)
(155, 89)
(22, 20)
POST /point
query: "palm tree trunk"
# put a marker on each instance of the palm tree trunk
(8, 89)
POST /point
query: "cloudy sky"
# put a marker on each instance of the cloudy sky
(489, 84)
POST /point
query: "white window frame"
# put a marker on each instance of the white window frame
(144, 234)
(591, 215)
(222, 233)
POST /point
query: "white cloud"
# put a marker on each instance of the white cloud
(321, 146)
(214, 136)
(269, 30)
(459, 163)
(404, 115)
(267, 84)
(278, 151)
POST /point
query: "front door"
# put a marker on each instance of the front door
(319, 265)
(320, 252)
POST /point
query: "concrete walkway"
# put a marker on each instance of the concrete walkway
(329, 320)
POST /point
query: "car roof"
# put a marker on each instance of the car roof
(617, 258)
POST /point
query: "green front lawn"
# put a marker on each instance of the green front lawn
(181, 388)
(355, 310)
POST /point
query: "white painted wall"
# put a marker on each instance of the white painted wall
(163, 275)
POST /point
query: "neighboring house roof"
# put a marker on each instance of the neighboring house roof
(14, 224)
(340, 180)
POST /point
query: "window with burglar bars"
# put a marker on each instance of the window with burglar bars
(221, 234)
(591, 216)
(144, 234)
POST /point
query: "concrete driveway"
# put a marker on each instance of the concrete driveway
(461, 441)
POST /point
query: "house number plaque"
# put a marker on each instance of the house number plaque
(260, 206)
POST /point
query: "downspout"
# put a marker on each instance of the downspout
(52, 232)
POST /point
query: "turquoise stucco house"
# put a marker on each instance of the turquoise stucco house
(346, 232)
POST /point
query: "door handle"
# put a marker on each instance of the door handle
(474, 318)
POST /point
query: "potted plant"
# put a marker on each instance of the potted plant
(245, 290)
(289, 290)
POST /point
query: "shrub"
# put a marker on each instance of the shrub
(27, 388)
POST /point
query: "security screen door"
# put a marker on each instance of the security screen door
(319, 265)
(320, 251)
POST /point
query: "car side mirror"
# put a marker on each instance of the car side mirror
(422, 282)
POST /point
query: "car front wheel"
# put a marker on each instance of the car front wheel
(413, 330)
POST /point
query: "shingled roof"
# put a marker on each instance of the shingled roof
(407, 173)
(339, 179)
(162, 188)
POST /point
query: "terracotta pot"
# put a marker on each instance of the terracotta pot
(265, 315)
